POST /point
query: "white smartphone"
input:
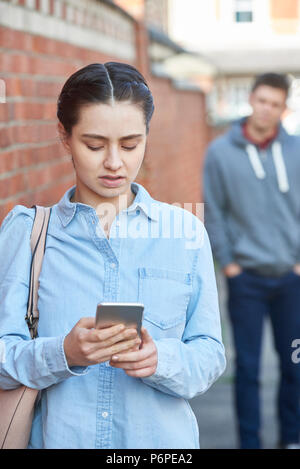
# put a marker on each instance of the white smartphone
(130, 314)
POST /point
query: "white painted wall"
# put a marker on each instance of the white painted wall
(193, 23)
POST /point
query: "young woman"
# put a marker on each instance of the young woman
(109, 240)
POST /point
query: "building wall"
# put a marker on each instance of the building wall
(240, 50)
(153, 11)
(156, 12)
(277, 21)
(285, 16)
(177, 141)
(34, 167)
(135, 7)
(287, 9)
(40, 46)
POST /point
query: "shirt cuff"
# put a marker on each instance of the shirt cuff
(164, 363)
(56, 360)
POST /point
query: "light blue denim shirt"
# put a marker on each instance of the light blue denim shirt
(157, 254)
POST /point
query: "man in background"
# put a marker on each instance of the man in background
(252, 214)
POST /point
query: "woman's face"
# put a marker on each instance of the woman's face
(108, 146)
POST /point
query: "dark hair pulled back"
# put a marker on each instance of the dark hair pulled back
(103, 83)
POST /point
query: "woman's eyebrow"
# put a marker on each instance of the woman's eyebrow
(94, 136)
(127, 137)
(101, 137)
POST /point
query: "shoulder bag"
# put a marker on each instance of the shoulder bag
(17, 405)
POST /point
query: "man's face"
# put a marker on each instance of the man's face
(268, 104)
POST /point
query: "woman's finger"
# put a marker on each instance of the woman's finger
(135, 356)
(105, 354)
(142, 373)
(97, 335)
(86, 323)
(145, 336)
(134, 365)
(120, 347)
(125, 334)
(97, 346)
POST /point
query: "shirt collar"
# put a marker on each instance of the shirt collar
(143, 200)
(262, 145)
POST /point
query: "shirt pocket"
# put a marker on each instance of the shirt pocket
(165, 294)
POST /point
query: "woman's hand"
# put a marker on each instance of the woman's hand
(140, 363)
(86, 346)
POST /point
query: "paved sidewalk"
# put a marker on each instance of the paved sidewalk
(214, 409)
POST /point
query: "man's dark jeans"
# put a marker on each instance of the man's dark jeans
(250, 298)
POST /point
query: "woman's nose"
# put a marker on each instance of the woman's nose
(113, 160)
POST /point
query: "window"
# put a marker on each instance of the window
(243, 11)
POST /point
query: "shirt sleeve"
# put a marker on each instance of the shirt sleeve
(215, 210)
(189, 366)
(37, 363)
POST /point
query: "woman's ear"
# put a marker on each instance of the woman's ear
(63, 136)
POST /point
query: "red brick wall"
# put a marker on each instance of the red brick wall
(38, 169)
(176, 144)
(34, 167)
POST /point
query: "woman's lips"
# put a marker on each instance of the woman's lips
(112, 182)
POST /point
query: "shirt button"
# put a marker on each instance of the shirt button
(104, 415)
(113, 265)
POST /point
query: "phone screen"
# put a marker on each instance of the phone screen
(129, 314)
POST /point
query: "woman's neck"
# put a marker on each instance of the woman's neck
(118, 203)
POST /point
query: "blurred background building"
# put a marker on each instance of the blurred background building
(199, 61)
(242, 38)
(188, 66)
(42, 42)
(199, 58)
(220, 46)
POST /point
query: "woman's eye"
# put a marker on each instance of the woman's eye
(94, 149)
(129, 148)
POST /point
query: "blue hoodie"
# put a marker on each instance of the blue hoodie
(252, 201)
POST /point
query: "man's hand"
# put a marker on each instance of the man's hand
(296, 269)
(140, 363)
(231, 270)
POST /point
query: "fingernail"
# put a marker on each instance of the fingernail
(115, 357)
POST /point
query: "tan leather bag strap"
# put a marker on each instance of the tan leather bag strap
(37, 243)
